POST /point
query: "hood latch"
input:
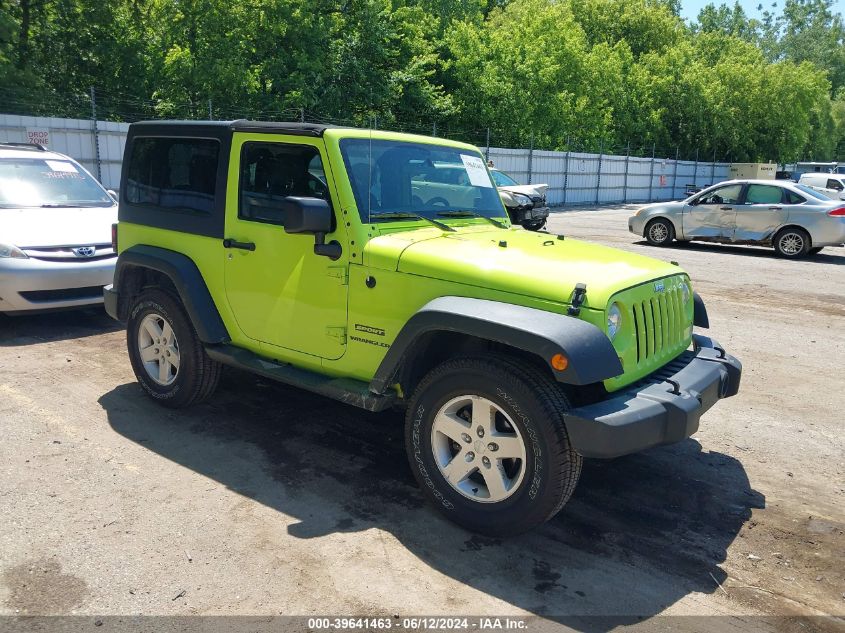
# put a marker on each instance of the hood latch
(578, 296)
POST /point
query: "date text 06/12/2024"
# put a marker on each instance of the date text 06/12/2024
(418, 623)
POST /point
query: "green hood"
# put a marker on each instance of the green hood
(516, 261)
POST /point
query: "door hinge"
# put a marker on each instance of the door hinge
(341, 273)
(337, 332)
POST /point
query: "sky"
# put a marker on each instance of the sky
(690, 8)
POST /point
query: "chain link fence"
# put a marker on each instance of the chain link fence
(575, 172)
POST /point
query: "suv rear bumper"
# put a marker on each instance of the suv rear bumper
(662, 409)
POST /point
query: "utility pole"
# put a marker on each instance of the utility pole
(651, 175)
(96, 135)
(487, 149)
(625, 185)
(598, 174)
(530, 156)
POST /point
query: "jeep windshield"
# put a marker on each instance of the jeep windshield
(26, 182)
(397, 180)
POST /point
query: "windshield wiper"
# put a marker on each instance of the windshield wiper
(470, 214)
(407, 214)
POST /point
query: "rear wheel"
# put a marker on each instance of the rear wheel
(167, 357)
(659, 232)
(487, 444)
(792, 243)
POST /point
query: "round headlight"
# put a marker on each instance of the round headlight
(685, 292)
(614, 320)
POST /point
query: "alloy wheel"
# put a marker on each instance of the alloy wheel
(478, 449)
(791, 243)
(159, 349)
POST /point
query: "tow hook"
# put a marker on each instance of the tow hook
(578, 296)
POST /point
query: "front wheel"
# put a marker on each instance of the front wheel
(659, 232)
(486, 440)
(167, 357)
(792, 243)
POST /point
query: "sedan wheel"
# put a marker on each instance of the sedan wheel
(792, 243)
(659, 232)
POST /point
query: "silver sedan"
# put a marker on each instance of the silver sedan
(793, 219)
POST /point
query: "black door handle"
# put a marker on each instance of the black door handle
(246, 246)
(726, 208)
(775, 208)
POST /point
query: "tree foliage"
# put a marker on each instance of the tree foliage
(556, 73)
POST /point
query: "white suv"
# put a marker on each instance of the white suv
(831, 185)
(55, 231)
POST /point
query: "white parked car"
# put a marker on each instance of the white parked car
(55, 231)
(831, 185)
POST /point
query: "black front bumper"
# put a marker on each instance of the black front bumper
(662, 409)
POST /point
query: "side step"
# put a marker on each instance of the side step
(346, 390)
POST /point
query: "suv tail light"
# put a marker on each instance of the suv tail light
(114, 237)
(840, 212)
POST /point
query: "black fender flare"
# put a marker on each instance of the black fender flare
(591, 355)
(699, 312)
(186, 278)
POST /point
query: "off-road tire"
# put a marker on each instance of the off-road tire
(792, 243)
(659, 232)
(535, 403)
(197, 375)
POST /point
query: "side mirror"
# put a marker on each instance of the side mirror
(311, 215)
(112, 193)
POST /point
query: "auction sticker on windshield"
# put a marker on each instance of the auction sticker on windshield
(476, 171)
(57, 165)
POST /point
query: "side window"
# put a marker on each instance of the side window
(175, 174)
(834, 184)
(794, 198)
(722, 195)
(270, 172)
(763, 194)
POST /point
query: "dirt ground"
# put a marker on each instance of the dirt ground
(267, 500)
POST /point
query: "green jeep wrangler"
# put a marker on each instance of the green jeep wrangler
(337, 260)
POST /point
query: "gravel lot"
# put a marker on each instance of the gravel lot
(268, 500)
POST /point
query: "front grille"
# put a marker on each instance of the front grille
(659, 324)
(66, 253)
(65, 294)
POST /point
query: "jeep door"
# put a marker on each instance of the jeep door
(711, 215)
(761, 213)
(280, 292)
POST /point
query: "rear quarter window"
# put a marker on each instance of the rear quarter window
(173, 174)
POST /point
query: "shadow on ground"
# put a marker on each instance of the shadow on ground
(29, 329)
(831, 255)
(640, 533)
